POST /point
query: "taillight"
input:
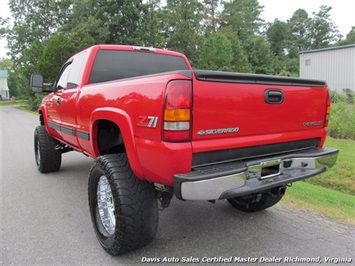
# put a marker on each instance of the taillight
(327, 112)
(177, 111)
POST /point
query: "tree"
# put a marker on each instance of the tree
(210, 16)
(183, 28)
(285, 66)
(107, 21)
(152, 33)
(284, 45)
(216, 53)
(243, 16)
(84, 18)
(4, 24)
(323, 31)
(6, 64)
(277, 35)
(240, 60)
(311, 33)
(56, 51)
(33, 20)
(259, 55)
(299, 27)
(350, 37)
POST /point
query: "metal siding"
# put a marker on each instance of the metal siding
(336, 66)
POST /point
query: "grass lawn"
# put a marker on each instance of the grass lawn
(341, 177)
(333, 192)
(10, 103)
(19, 104)
(323, 201)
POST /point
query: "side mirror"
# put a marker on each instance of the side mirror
(36, 83)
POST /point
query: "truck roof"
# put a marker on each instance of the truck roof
(122, 47)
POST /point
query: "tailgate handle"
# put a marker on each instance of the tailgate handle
(274, 96)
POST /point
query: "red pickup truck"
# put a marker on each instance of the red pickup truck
(157, 128)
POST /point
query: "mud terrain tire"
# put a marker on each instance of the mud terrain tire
(123, 208)
(253, 204)
(48, 159)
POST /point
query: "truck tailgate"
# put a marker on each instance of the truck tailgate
(232, 105)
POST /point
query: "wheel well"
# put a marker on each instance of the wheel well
(109, 138)
(41, 119)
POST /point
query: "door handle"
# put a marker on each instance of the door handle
(58, 100)
(274, 96)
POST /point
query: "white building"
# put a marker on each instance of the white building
(4, 89)
(335, 65)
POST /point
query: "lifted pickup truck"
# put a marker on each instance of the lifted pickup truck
(157, 128)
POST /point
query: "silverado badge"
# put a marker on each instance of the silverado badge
(218, 131)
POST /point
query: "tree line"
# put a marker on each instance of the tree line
(213, 34)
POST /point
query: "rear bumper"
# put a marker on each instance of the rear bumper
(236, 179)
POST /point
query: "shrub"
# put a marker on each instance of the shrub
(350, 96)
(34, 101)
(342, 121)
(337, 97)
(346, 96)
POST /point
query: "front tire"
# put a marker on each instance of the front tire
(48, 159)
(123, 208)
(259, 201)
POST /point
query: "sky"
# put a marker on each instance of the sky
(343, 13)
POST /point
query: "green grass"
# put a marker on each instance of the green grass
(26, 108)
(11, 103)
(333, 192)
(19, 104)
(323, 201)
(341, 176)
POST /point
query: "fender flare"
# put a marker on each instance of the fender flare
(124, 123)
(42, 111)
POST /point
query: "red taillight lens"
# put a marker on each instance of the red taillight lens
(177, 111)
(327, 110)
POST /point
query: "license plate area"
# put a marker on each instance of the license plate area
(270, 171)
(264, 170)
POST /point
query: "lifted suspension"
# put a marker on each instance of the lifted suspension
(63, 148)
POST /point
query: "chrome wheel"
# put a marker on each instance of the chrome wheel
(106, 205)
(123, 208)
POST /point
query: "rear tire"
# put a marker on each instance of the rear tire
(259, 201)
(48, 159)
(123, 208)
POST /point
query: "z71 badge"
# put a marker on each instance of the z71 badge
(147, 121)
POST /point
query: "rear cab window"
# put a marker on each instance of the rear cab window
(113, 64)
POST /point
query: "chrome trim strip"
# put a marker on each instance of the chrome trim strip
(71, 131)
(83, 134)
(54, 125)
(67, 130)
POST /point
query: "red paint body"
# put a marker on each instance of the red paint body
(215, 105)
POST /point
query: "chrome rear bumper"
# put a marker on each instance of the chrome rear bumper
(236, 179)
